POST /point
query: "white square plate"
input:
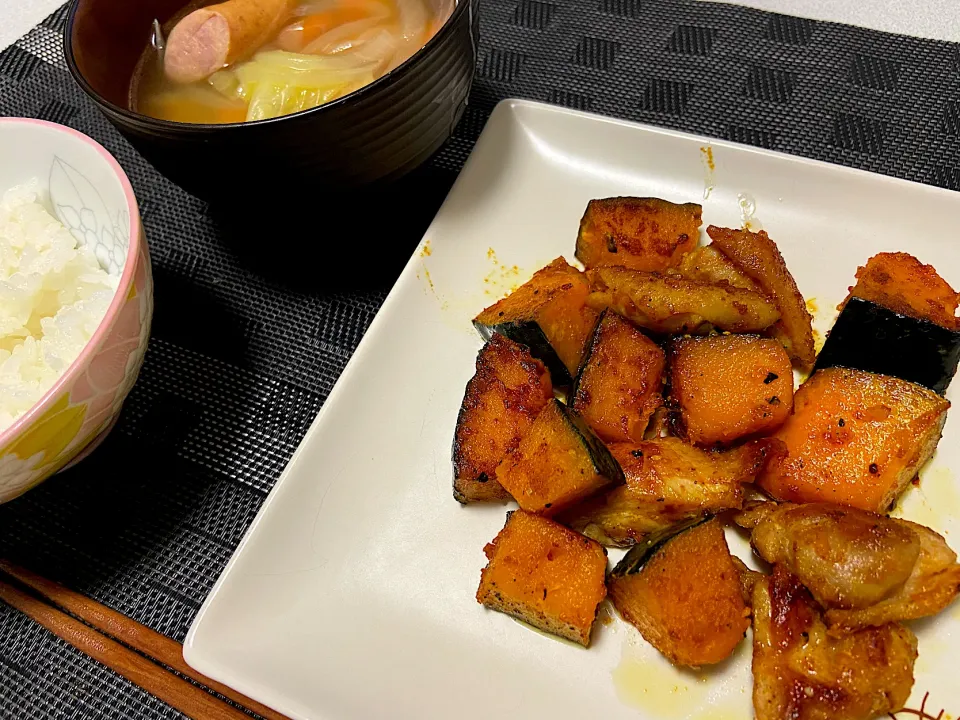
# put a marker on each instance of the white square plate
(352, 594)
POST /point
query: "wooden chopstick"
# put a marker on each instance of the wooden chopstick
(176, 692)
(140, 637)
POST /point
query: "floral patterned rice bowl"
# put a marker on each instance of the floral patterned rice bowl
(92, 197)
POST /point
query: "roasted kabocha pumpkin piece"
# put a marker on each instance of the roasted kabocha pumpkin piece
(501, 401)
(546, 575)
(547, 314)
(674, 305)
(667, 481)
(759, 258)
(725, 387)
(558, 463)
(620, 380)
(802, 673)
(908, 287)
(855, 438)
(684, 594)
(638, 233)
(871, 337)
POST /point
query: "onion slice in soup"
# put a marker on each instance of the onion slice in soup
(379, 47)
(341, 38)
(413, 22)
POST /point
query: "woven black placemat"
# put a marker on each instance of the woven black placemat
(247, 343)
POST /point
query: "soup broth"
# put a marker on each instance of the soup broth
(309, 53)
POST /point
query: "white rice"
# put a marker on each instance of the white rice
(53, 296)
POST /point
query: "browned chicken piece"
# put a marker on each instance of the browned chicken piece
(865, 569)
(709, 265)
(800, 672)
(659, 425)
(933, 584)
(748, 579)
(667, 481)
(673, 305)
(758, 257)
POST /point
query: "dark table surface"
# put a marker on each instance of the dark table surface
(247, 342)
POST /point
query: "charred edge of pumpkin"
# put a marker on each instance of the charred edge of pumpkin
(674, 422)
(456, 454)
(871, 337)
(579, 246)
(601, 458)
(499, 496)
(529, 334)
(456, 450)
(640, 554)
(588, 348)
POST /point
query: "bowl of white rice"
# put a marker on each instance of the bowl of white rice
(76, 298)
